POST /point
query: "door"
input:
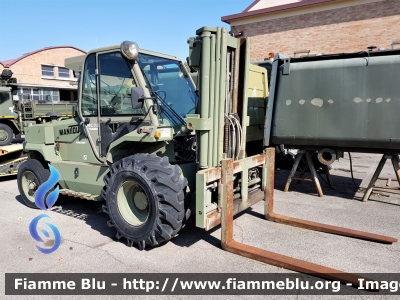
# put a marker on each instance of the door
(89, 104)
(106, 99)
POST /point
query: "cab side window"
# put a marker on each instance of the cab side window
(4, 97)
(89, 87)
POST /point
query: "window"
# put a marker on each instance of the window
(116, 81)
(35, 94)
(169, 79)
(39, 95)
(49, 95)
(48, 71)
(63, 72)
(4, 97)
(89, 94)
(25, 94)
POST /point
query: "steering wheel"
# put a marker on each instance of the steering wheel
(194, 108)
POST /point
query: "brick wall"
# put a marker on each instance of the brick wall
(349, 29)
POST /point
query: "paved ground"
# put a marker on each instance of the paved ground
(88, 244)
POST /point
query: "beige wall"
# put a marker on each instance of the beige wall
(28, 70)
(346, 29)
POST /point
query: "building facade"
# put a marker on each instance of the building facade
(42, 76)
(317, 26)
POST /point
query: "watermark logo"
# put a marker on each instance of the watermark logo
(41, 200)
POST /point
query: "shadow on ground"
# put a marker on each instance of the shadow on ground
(344, 187)
(91, 211)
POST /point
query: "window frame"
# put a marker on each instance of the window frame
(39, 95)
(48, 71)
(64, 71)
(3, 99)
(89, 88)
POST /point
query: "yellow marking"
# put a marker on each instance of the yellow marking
(9, 173)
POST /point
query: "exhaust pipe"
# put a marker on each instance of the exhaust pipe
(326, 156)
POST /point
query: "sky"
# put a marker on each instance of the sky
(157, 25)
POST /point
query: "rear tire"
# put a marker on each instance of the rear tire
(144, 197)
(6, 135)
(31, 174)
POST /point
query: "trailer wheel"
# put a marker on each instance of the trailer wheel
(6, 135)
(144, 197)
(31, 174)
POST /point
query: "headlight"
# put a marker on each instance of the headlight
(130, 50)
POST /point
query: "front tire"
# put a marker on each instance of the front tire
(144, 197)
(6, 135)
(31, 174)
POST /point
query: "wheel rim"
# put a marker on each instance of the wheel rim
(3, 135)
(133, 203)
(30, 184)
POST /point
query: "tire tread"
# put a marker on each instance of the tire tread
(167, 187)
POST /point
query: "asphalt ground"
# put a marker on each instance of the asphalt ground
(88, 244)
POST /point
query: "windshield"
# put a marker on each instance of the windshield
(176, 92)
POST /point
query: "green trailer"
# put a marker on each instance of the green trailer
(335, 103)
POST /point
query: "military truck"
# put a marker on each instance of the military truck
(15, 115)
(155, 146)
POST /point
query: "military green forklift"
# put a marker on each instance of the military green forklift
(142, 141)
(157, 146)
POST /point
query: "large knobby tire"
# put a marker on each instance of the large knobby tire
(6, 135)
(144, 196)
(31, 174)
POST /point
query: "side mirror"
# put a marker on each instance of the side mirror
(77, 74)
(137, 97)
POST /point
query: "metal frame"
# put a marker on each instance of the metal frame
(310, 165)
(396, 167)
(207, 213)
(229, 244)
